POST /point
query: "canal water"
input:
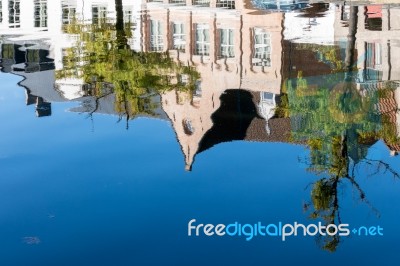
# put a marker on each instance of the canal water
(127, 127)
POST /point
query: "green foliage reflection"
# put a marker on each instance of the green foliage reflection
(102, 58)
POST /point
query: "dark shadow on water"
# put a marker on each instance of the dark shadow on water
(231, 120)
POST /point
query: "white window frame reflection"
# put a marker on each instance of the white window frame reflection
(99, 13)
(197, 91)
(345, 13)
(374, 55)
(128, 15)
(229, 4)
(68, 14)
(261, 48)
(202, 40)
(226, 43)
(178, 36)
(14, 13)
(268, 97)
(204, 3)
(40, 13)
(156, 36)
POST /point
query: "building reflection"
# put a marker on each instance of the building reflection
(245, 51)
(262, 65)
(235, 51)
(31, 61)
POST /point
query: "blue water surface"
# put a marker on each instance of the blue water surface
(94, 193)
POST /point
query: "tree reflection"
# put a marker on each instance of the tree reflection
(339, 121)
(103, 59)
(339, 124)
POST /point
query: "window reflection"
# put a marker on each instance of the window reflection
(188, 127)
(205, 3)
(262, 48)
(68, 14)
(99, 14)
(226, 49)
(40, 13)
(202, 45)
(229, 4)
(373, 18)
(178, 2)
(156, 36)
(178, 36)
(14, 13)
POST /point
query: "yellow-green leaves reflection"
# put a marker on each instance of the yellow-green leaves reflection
(102, 58)
(339, 121)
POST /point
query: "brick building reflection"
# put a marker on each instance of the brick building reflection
(237, 51)
(277, 48)
(244, 55)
